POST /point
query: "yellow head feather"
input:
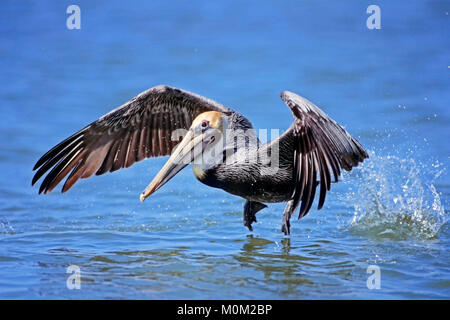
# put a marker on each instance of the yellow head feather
(214, 118)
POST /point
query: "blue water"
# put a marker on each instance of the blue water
(388, 87)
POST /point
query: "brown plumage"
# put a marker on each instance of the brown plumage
(320, 144)
(141, 128)
(312, 151)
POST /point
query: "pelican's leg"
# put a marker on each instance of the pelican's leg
(250, 210)
(288, 210)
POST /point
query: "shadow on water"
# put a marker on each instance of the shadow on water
(253, 267)
(271, 259)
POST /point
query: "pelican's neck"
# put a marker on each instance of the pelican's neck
(237, 147)
(199, 172)
(211, 157)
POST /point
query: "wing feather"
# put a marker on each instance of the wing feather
(320, 144)
(141, 128)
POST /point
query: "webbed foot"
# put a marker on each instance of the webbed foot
(250, 210)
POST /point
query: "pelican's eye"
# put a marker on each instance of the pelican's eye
(205, 124)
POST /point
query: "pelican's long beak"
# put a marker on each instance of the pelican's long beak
(186, 151)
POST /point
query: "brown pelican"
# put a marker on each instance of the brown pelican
(222, 145)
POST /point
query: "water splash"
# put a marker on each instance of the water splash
(6, 228)
(396, 198)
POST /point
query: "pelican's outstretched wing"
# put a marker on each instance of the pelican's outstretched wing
(139, 129)
(319, 144)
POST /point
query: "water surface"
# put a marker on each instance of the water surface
(388, 87)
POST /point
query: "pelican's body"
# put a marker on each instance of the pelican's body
(221, 144)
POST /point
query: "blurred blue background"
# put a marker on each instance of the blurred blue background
(388, 87)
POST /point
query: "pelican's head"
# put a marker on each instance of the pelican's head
(205, 133)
